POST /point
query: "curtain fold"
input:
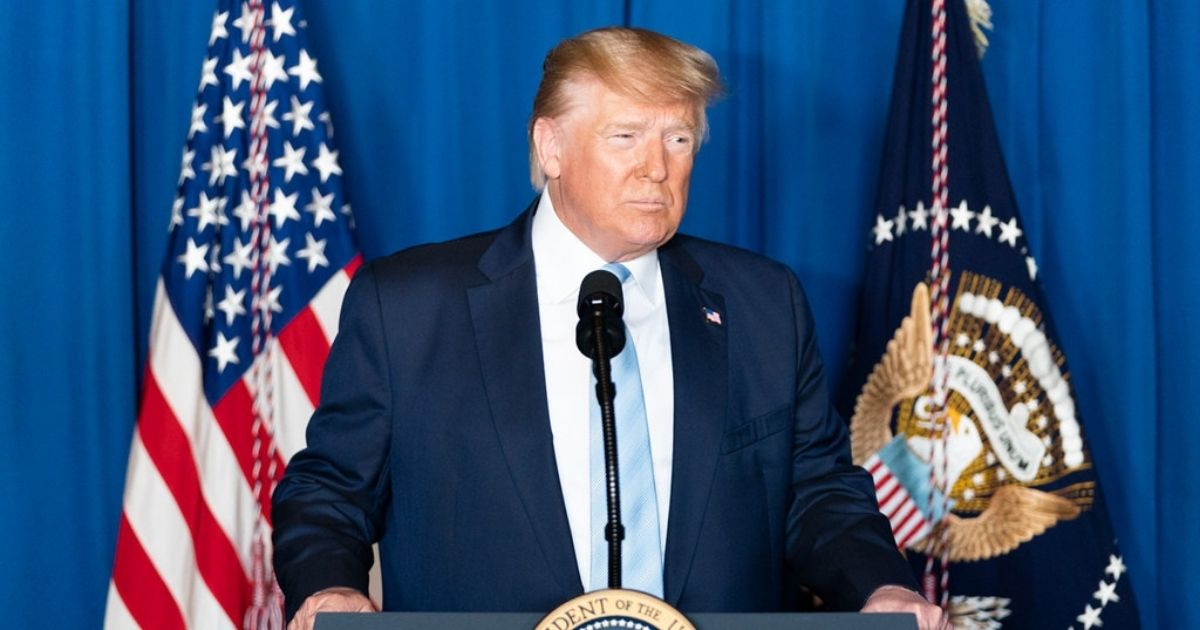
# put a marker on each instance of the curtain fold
(1095, 107)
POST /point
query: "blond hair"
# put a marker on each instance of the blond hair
(638, 63)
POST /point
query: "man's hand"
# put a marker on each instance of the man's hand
(337, 599)
(897, 599)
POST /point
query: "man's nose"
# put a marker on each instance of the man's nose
(654, 161)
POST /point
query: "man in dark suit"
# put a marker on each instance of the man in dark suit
(454, 421)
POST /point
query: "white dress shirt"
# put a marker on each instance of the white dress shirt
(562, 260)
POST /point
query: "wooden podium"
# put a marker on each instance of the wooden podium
(703, 621)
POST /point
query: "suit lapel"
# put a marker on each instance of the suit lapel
(504, 312)
(700, 363)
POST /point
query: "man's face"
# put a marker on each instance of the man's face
(619, 169)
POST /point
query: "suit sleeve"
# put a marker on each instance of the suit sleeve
(837, 541)
(328, 508)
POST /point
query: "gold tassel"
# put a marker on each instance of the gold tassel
(981, 17)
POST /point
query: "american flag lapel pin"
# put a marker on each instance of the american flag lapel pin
(712, 316)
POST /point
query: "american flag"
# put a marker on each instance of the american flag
(908, 521)
(260, 253)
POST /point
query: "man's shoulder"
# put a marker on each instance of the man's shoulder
(444, 261)
(719, 260)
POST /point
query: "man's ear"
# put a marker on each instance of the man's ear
(547, 141)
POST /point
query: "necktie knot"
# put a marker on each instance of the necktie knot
(618, 270)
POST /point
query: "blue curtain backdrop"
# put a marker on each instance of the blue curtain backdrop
(1096, 106)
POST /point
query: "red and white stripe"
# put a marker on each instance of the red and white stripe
(908, 523)
(939, 275)
(184, 548)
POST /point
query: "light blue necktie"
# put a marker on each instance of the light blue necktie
(641, 555)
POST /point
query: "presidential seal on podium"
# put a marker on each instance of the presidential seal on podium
(615, 608)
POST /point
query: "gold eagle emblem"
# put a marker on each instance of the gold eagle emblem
(1009, 512)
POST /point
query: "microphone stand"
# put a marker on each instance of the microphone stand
(614, 532)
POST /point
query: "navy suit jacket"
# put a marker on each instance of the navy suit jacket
(433, 437)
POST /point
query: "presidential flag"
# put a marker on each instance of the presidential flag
(959, 397)
(259, 254)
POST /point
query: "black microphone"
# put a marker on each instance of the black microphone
(600, 302)
(600, 336)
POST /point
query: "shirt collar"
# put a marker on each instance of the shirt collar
(562, 260)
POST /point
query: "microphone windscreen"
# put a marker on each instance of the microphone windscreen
(601, 302)
(600, 284)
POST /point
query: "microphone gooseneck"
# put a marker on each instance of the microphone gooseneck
(600, 336)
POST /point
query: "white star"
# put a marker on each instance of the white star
(239, 258)
(299, 116)
(198, 124)
(326, 162)
(277, 253)
(186, 171)
(218, 27)
(239, 68)
(901, 221)
(220, 165)
(272, 68)
(349, 214)
(321, 207)
(232, 304)
(256, 163)
(268, 114)
(325, 118)
(920, 217)
(284, 208)
(245, 211)
(1031, 264)
(1107, 593)
(962, 217)
(1115, 566)
(225, 352)
(1090, 617)
(245, 22)
(208, 76)
(281, 21)
(208, 306)
(231, 117)
(292, 161)
(313, 252)
(986, 222)
(195, 258)
(882, 229)
(1010, 232)
(214, 262)
(271, 303)
(176, 213)
(305, 70)
(206, 211)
